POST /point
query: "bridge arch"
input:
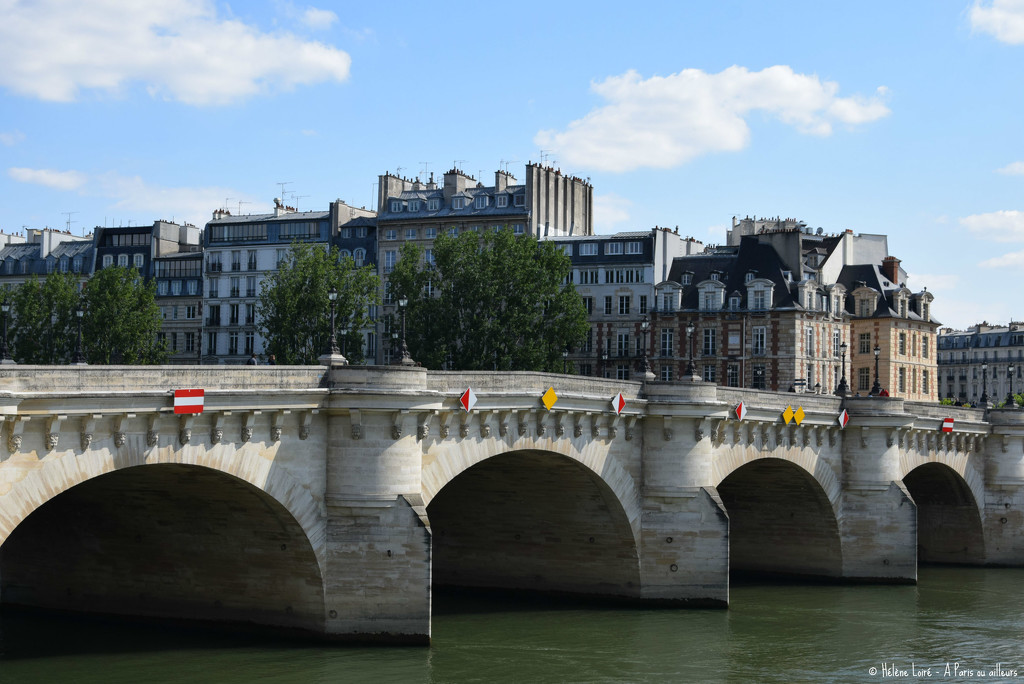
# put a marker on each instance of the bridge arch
(533, 519)
(949, 495)
(782, 519)
(56, 474)
(166, 540)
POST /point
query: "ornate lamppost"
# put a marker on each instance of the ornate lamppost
(645, 326)
(843, 388)
(984, 385)
(1010, 403)
(344, 333)
(5, 352)
(604, 363)
(406, 360)
(876, 389)
(332, 356)
(691, 370)
(79, 358)
(759, 378)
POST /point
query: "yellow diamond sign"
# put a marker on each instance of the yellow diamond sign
(787, 415)
(549, 398)
(799, 415)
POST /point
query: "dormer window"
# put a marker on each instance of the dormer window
(687, 279)
(788, 275)
(458, 202)
(903, 307)
(396, 206)
(715, 275)
(480, 202)
(734, 302)
(501, 201)
(414, 205)
(520, 200)
(750, 276)
(433, 204)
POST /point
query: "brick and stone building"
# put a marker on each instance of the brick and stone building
(984, 359)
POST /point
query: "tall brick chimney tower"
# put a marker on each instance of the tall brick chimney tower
(891, 269)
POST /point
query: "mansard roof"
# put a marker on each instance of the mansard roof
(734, 263)
(445, 209)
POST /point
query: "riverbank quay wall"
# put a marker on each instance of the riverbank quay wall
(331, 501)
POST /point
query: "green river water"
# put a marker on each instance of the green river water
(956, 624)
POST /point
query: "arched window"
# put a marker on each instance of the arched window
(359, 256)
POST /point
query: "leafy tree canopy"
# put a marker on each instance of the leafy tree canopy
(121, 319)
(489, 301)
(294, 310)
(42, 327)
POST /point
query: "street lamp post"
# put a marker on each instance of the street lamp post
(565, 360)
(876, 389)
(79, 358)
(843, 388)
(984, 385)
(344, 334)
(5, 352)
(691, 370)
(645, 326)
(604, 363)
(758, 378)
(1010, 403)
(406, 360)
(332, 344)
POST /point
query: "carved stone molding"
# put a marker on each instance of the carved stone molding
(832, 437)
(246, 433)
(423, 428)
(577, 430)
(53, 432)
(120, 437)
(666, 428)
(184, 435)
(355, 420)
(216, 435)
(275, 433)
(14, 429)
(152, 437)
(464, 430)
(396, 432)
(613, 432)
(86, 438)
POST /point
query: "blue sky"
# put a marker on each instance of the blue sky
(898, 118)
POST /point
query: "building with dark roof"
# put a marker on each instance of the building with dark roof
(984, 360)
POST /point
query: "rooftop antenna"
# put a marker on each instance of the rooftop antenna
(398, 171)
(69, 221)
(282, 184)
(506, 163)
(544, 154)
(426, 167)
(456, 162)
(226, 200)
(297, 198)
(240, 203)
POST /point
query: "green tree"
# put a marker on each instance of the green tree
(44, 325)
(121, 319)
(294, 310)
(499, 302)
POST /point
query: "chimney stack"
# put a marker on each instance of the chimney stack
(891, 269)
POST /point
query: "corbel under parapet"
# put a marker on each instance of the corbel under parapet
(248, 419)
(522, 425)
(53, 431)
(444, 419)
(277, 424)
(465, 420)
(306, 420)
(15, 428)
(595, 425)
(423, 424)
(485, 423)
(505, 418)
(702, 429)
(667, 428)
(613, 426)
(718, 431)
(398, 423)
(819, 437)
(833, 436)
(185, 429)
(355, 425)
(558, 417)
(1005, 443)
(217, 426)
(631, 421)
(541, 424)
(864, 438)
(117, 428)
(766, 430)
(577, 423)
(88, 427)
(152, 432)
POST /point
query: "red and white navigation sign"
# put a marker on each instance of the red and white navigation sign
(947, 424)
(468, 399)
(188, 400)
(741, 411)
(618, 403)
(844, 418)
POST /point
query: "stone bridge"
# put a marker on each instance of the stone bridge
(332, 501)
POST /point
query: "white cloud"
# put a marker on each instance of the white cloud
(1008, 260)
(60, 180)
(1014, 169)
(318, 19)
(145, 201)
(662, 122)
(609, 211)
(11, 138)
(1003, 19)
(935, 282)
(1001, 226)
(180, 50)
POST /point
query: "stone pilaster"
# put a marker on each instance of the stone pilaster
(1003, 517)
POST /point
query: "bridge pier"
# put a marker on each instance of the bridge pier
(878, 519)
(1003, 517)
(378, 580)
